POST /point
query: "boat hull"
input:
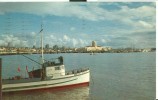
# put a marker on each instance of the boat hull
(67, 81)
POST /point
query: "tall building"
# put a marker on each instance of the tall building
(34, 47)
(47, 46)
(94, 44)
(94, 47)
(9, 44)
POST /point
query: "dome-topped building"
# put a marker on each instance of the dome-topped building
(94, 47)
(94, 44)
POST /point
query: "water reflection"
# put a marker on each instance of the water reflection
(81, 93)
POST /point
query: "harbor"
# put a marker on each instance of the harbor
(56, 49)
(132, 80)
(78, 51)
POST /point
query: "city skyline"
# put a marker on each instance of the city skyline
(111, 24)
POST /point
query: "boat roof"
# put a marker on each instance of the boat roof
(54, 63)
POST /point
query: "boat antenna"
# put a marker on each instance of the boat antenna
(41, 31)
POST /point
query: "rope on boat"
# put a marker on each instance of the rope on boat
(32, 60)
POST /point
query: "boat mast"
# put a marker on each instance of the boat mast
(43, 73)
(42, 57)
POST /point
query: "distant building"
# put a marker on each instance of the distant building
(94, 44)
(146, 50)
(2, 49)
(34, 47)
(94, 48)
(47, 46)
(9, 44)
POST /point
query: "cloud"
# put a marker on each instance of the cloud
(11, 40)
(133, 16)
(57, 9)
(33, 34)
(137, 18)
(75, 42)
(88, 11)
(118, 26)
(66, 38)
(72, 29)
(145, 24)
(103, 40)
(81, 41)
(3, 43)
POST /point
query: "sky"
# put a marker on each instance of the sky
(110, 24)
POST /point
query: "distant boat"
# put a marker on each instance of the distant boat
(52, 75)
(92, 53)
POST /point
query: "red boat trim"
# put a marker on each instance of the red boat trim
(71, 86)
(51, 89)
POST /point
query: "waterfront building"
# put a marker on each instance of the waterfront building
(146, 50)
(94, 48)
(34, 47)
(47, 46)
(94, 44)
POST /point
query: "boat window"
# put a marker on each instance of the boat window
(57, 68)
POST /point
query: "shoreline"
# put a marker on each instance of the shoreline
(7, 54)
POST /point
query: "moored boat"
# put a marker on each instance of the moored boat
(51, 75)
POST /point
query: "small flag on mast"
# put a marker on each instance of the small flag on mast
(18, 68)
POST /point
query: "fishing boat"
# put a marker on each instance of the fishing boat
(51, 75)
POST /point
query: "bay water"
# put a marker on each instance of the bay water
(114, 76)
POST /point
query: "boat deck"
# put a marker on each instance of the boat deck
(26, 80)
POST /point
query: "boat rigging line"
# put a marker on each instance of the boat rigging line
(32, 60)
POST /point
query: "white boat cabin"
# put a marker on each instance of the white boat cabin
(55, 68)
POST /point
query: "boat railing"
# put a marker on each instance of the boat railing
(71, 72)
(75, 71)
(49, 63)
